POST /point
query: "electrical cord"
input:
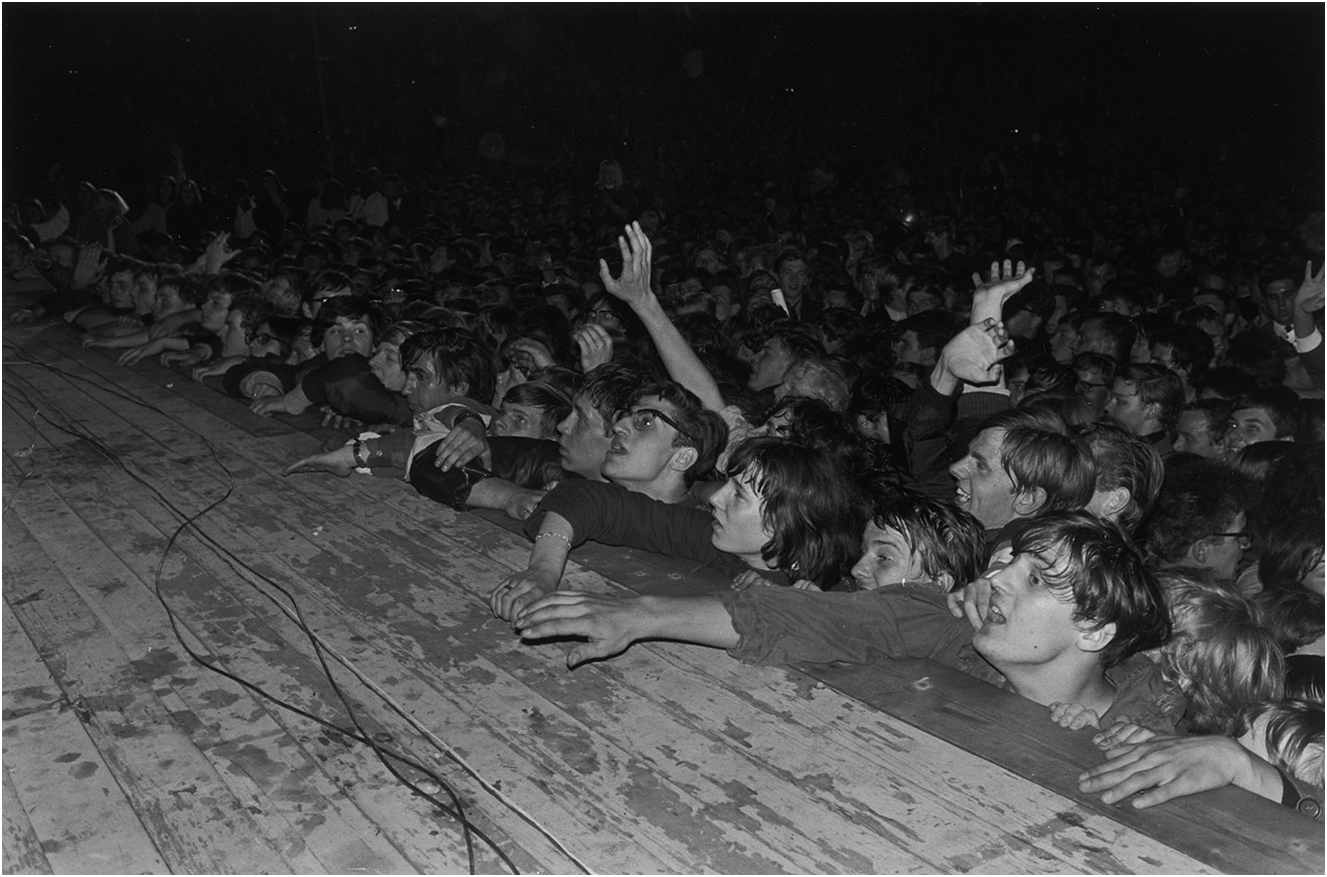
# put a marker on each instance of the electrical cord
(293, 612)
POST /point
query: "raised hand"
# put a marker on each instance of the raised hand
(974, 354)
(89, 267)
(1309, 296)
(218, 253)
(595, 343)
(633, 284)
(988, 299)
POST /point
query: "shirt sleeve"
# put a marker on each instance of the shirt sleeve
(1143, 696)
(599, 511)
(784, 625)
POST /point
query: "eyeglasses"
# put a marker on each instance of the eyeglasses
(642, 420)
(602, 312)
(1245, 538)
(260, 338)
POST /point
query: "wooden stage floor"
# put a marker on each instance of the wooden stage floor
(123, 754)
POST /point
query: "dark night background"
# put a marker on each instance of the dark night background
(1184, 90)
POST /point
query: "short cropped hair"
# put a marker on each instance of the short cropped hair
(814, 510)
(1223, 660)
(946, 538)
(1157, 385)
(350, 308)
(1116, 329)
(699, 427)
(458, 357)
(1123, 459)
(1196, 500)
(1095, 563)
(553, 404)
(1280, 403)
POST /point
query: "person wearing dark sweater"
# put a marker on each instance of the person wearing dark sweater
(784, 508)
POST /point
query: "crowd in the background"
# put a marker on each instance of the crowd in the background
(1068, 441)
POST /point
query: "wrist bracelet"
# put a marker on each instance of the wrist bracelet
(553, 535)
(357, 449)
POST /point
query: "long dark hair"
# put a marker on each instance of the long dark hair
(814, 510)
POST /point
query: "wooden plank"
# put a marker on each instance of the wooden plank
(636, 734)
(195, 823)
(62, 786)
(267, 767)
(371, 580)
(20, 851)
(962, 710)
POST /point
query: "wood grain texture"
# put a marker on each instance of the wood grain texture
(669, 759)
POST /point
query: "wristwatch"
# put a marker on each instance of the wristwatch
(1292, 797)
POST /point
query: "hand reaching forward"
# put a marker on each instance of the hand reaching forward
(607, 623)
(633, 284)
(988, 299)
(519, 590)
(339, 461)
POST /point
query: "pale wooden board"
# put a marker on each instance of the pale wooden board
(20, 849)
(305, 794)
(62, 787)
(987, 853)
(365, 554)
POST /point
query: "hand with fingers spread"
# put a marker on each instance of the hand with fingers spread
(218, 253)
(608, 624)
(633, 284)
(972, 355)
(595, 343)
(989, 297)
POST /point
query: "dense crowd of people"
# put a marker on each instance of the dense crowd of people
(1072, 446)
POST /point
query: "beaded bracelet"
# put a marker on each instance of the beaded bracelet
(554, 535)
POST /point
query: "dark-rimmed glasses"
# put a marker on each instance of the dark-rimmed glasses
(642, 419)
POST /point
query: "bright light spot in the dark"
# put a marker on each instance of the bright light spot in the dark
(353, 27)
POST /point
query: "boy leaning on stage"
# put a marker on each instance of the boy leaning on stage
(1069, 618)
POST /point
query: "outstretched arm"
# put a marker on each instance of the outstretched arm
(633, 287)
(548, 560)
(610, 624)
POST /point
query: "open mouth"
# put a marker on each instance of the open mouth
(961, 496)
(994, 615)
(616, 449)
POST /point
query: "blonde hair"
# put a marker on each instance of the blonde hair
(1220, 657)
